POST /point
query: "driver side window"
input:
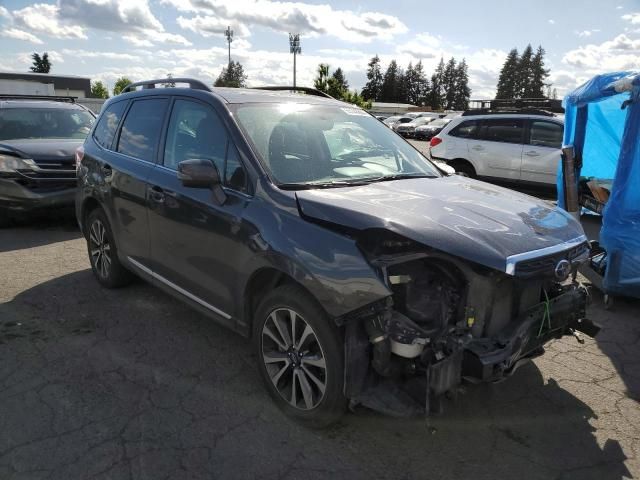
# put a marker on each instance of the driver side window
(195, 132)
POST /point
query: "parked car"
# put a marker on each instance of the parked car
(431, 129)
(359, 271)
(382, 118)
(393, 122)
(38, 139)
(509, 149)
(408, 129)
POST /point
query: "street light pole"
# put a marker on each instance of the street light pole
(294, 47)
(229, 34)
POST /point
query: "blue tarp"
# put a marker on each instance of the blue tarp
(606, 137)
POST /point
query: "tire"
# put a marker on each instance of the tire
(103, 254)
(297, 389)
(464, 168)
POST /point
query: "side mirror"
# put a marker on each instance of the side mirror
(202, 174)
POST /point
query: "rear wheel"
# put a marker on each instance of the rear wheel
(103, 254)
(464, 167)
(300, 356)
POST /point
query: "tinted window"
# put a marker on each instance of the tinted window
(34, 122)
(508, 130)
(108, 123)
(466, 129)
(141, 128)
(546, 134)
(195, 132)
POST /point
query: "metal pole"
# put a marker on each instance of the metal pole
(294, 69)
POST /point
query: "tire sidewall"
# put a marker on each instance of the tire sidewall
(328, 335)
(112, 279)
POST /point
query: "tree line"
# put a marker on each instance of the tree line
(448, 88)
(524, 75)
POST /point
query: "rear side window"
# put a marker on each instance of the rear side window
(505, 130)
(141, 128)
(108, 123)
(546, 134)
(466, 129)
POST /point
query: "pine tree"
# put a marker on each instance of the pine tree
(232, 76)
(436, 94)
(337, 85)
(539, 75)
(373, 89)
(462, 90)
(525, 73)
(449, 83)
(401, 96)
(390, 85)
(506, 88)
(421, 85)
(322, 80)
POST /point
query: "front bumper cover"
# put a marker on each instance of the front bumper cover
(16, 198)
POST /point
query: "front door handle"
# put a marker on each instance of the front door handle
(156, 194)
(532, 153)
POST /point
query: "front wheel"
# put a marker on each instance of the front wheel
(300, 356)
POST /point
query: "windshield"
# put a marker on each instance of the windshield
(420, 121)
(392, 119)
(306, 145)
(18, 123)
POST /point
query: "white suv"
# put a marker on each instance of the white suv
(510, 149)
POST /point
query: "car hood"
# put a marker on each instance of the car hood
(464, 217)
(43, 150)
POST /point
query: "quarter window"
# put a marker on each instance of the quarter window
(108, 124)
(506, 130)
(141, 128)
(466, 129)
(546, 134)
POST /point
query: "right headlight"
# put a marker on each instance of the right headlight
(9, 163)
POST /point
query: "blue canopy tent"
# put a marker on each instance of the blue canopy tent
(602, 122)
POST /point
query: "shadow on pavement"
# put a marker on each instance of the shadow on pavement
(130, 383)
(38, 230)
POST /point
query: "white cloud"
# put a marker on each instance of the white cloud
(621, 53)
(286, 16)
(551, 21)
(20, 35)
(4, 13)
(44, 18)
(422, 45)
(110, 15)
(586, 33)
(634, 18)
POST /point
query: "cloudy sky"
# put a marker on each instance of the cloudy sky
(105, 39)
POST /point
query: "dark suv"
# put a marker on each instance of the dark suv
(360, 272)
(38, 140)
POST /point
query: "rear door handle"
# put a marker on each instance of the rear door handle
(156, 194)
(532, 153)
(478, 147)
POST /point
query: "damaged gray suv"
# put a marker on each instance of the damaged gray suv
(362, 274)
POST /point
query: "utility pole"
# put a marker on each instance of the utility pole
(229, 34)
(294, 47)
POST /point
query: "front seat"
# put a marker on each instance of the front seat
(287, 170)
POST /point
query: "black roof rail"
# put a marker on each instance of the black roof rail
(146, 84)
(53, 98)
(508, 111)
(307, 90)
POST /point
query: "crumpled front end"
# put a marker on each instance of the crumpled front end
(450, 320)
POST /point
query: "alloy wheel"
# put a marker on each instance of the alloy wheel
(100, 248)
(294, 359)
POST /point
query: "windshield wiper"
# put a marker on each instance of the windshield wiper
(400, 176)
(325, 184)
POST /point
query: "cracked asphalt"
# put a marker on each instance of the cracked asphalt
(131, 384)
